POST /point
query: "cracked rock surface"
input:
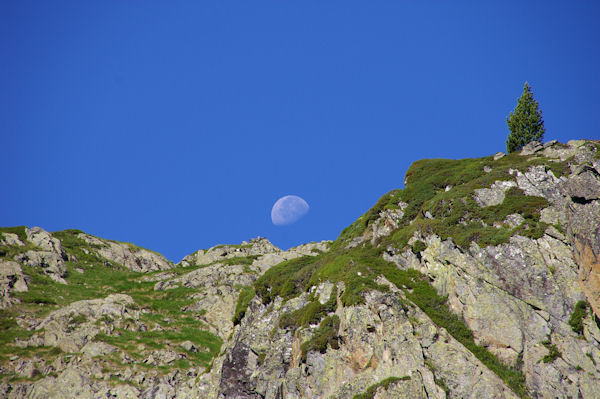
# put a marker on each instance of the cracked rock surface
(87, 317)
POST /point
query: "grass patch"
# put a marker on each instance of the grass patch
(596, 150)
(418, 247)
(553, 352)
(9, 332)
(168, 302)
(261, 358)
(18, 230)
(128, 341)
(358, 268)
(312, 313)
(324, 336)
(175, 272)
(246, 295)
(84, 252)
(579, 313)
(11, 251)
(455, 212)
(354, 267)
(75, 321)
(459, 217)
(242, 260)
(99, 279)
(372, 390)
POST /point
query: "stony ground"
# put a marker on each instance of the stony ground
(98, 318)
(480, 279)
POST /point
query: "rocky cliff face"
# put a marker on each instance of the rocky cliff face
(480, 279)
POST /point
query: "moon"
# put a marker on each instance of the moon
(288, 210)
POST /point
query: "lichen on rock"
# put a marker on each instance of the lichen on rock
(471, 282)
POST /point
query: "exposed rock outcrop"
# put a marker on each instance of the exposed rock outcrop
(48, 254)
(480, 279)
(128, 255)
(256, 247)
(12, 279)
(10, 239)
(380, 339)
(72, 327)
(221, 281)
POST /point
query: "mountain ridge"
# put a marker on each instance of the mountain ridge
(479, 279)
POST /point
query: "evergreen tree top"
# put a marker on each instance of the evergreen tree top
(525, 122)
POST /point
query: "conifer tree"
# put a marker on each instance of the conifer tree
(525, 122)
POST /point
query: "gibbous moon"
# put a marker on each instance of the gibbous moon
(288, 209)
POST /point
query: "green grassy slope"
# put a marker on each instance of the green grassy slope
(90, 277)
(444, 189)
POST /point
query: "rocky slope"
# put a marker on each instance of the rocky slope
(480, 279)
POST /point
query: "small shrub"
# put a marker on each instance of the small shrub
(579, 313)
(261, 358)
(55, 351)
(418, 247)
(75, 321)
(312, 313)
(106, 319)
(246, 295)
(79, 319)
(286, 279)
(553, 352)
(39, 300)
(7, 324)
(325, 335)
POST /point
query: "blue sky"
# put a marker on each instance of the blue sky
(177, 125)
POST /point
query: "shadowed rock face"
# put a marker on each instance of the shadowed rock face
(94, 318)
(584, 228)
(235, 377)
